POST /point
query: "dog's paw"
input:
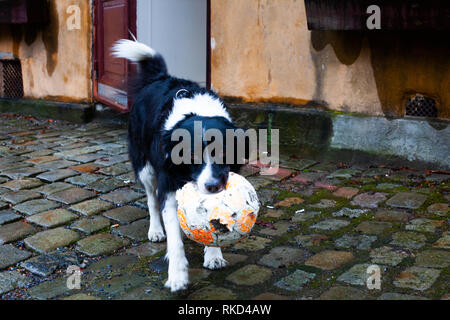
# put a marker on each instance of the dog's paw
(215, 263)
(178, 282)
(156, 236)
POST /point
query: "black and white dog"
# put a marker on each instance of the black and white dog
(164, 104)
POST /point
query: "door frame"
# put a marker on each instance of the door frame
(208, 45)
(132, 21)
(131, 69)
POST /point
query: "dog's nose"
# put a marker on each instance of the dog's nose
(213, 187)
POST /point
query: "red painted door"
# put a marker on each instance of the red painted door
(114, 20)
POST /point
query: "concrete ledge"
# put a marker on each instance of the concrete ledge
(325, 135)
(73, 112)
(414, 140)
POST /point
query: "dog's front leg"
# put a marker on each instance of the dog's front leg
(214, 259)
(178, 264)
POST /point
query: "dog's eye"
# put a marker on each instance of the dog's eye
(194, 157)
(220, 156)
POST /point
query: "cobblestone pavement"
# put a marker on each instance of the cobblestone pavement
(68, 197)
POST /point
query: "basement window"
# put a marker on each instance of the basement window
(11, 81)
(421, 106)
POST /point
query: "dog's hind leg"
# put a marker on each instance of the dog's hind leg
(148, 179)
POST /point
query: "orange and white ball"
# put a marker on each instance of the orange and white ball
(221, 219)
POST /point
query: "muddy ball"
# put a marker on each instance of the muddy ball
(222, 219)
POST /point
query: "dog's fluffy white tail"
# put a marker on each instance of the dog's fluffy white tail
(151, 64)
(132, 50)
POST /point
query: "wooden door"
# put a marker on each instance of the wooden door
(114, 20)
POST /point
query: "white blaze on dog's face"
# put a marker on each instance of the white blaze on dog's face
(211, 174)
(213, 177)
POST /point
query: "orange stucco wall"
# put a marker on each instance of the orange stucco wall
(262, 50)
(56, 61)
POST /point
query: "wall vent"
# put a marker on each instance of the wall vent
(421, 106)
(11, 81)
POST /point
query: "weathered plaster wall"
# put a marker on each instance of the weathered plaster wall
(56, 62)
(263, 51)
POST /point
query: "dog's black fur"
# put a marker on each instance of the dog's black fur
(150, 143)
(162, 105)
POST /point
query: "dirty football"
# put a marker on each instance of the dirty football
(218, 220)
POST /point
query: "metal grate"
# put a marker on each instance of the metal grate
(11, 81)
(421, 106)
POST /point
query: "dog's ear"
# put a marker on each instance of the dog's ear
(176, 152)
(167, 146)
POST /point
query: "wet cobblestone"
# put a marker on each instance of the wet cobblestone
(68, 197)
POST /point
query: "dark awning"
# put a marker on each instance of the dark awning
(395, 15)
(23, 11)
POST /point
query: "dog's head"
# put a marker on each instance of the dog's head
(204, 150)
